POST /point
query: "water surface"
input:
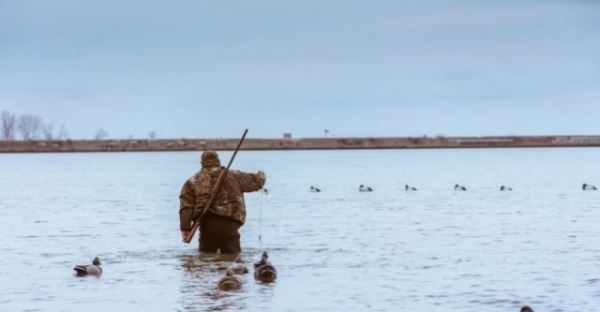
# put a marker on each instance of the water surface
(338, 250)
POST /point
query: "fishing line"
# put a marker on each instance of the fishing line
(262, 195)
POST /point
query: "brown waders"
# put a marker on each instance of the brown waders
(219, 233)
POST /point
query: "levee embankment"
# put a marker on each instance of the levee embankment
(138, 145)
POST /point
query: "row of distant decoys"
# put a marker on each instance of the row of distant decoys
(457, 187)
(264, 272)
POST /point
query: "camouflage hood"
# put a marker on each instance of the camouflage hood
(210, 159)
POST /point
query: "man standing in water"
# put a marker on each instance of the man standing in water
(219, 227)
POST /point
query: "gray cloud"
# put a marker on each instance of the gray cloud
(357, 67)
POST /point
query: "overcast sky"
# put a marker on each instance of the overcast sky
(197, 68)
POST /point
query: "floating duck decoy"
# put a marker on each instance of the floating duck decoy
(93, 269)
(264, 190)
(363, 188)
(459, 187)
(409, 188)
(505, 188)
(526, 309)
(588, 187)
(238, 267)
(314, 189)
(230, 282)
(264, 271)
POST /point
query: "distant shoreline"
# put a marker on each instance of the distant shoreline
(259, 144)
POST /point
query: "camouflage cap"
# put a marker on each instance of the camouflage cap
(210, 159)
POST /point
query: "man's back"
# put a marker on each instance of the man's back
(229, 201)
(219, 226)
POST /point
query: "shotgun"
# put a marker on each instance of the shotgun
(215, 191)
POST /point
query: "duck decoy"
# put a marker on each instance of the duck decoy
(409, 188)
(505, 188)
(314, 189)
(459, 187)
(238, 267)
(265, 191)
(363, 188)
(588, 187)
(526, 309)
(93, 269)
(230, 281)
(264, 271)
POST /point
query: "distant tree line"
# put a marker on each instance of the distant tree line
(28, 127)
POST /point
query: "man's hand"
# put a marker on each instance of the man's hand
(184, 235)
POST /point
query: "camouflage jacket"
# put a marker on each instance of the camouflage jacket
(228, 203)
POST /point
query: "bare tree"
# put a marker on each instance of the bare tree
(63, 134)
(101, 134)
(29, 126)
(48, 131)
(152, 135)
(8, 126)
